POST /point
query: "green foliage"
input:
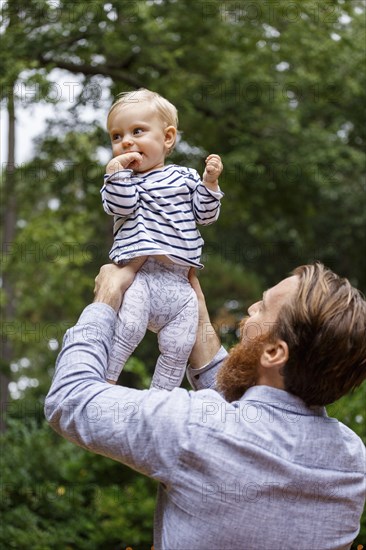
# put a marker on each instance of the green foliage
(55, 495)
(351, 411)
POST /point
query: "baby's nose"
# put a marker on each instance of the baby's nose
(127, 141)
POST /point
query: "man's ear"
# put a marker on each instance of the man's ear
(170, 133)
(274, 354)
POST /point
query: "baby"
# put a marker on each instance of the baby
(155, 208)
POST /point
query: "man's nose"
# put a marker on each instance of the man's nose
(252, 309)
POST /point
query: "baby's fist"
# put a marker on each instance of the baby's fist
(213, 169)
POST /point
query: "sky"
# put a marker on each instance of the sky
(30, 123)
(31, 117)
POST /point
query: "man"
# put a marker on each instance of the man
(258, 465)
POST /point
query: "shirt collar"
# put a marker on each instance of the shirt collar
(282, 399)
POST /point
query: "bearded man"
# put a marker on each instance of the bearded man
(250, 459)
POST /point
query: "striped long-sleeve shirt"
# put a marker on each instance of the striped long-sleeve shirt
(157, 213)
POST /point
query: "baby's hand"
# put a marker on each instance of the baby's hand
(126, 160)
(213, 169)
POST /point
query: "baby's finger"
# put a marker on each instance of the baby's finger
(213, 156)
(214, 165)
(132, 158)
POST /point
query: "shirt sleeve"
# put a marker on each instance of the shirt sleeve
(143, 429)
(206, 203)
(119, 193)
(205, 377)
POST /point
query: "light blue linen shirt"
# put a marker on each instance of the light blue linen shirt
(263, 472)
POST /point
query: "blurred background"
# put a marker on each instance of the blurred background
(278, 89)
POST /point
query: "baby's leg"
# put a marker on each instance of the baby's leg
(130, 327)
(176, 340)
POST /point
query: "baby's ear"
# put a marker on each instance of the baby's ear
(170, 133)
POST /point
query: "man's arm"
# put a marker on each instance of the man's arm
(207, 342)
(207, 353)
(135, 427)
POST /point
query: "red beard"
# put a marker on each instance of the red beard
(240, 369)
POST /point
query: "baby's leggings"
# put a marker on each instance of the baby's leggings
(162, 300)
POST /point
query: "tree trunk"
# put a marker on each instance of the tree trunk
(9, 227)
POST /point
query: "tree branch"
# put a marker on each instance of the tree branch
(84, 68)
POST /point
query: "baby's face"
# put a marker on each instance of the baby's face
(136, 127)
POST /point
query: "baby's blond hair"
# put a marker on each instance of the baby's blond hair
(166, 110)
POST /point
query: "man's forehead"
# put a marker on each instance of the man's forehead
(283, 291)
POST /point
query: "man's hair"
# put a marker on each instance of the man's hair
(165, 110)
(325, 329)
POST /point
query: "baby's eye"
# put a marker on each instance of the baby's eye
(137, 131)
(116, 137)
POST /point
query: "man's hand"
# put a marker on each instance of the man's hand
(126, 160)
(207, 342)
(212, 172)
(112, 282)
